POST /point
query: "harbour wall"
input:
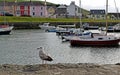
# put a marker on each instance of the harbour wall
(35, 25)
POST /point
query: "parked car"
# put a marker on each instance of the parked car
(6, 14)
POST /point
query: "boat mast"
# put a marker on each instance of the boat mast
(116, 10)
(106, 16)
(80, 15)
(4, 12)
(45, 9)
(15, 7)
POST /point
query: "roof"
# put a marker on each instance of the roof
(97, 11)
(62, 6)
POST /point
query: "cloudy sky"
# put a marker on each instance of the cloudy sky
(90, 4)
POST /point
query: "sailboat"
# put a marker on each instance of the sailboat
(5, 28)
(97, 40)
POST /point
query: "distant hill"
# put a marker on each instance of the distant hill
(42, 2)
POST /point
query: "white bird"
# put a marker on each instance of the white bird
(43, 56)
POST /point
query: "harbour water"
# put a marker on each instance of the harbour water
(21, 48)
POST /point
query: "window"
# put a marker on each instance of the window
(41, 13)
(41, 8)
(33, 8)
(18, 12)
(33, 13)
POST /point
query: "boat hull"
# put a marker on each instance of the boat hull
(5, 32)
(95, 43)
(91, 28)
(113, 30)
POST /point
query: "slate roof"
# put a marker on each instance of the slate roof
(62, 6)
(97, 11)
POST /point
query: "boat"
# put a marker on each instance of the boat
(67, 26)
(64, 30)
(115, 28)
(97, 40)
(86, 26)
(46, 26)
(69, 37)
(5, 28)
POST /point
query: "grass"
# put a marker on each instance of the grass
(36, 19)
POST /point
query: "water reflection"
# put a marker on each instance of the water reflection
(105, 55)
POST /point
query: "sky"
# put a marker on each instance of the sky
(91, 4)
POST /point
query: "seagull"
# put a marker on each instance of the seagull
(43, 56)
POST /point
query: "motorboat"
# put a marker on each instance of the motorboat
(46, 26)
(115, 28)
(5, 29)
(86, 26)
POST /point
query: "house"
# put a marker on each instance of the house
(8, 8)
(61, 11)
(22, 9)
(51, 11)
(97, 14)
(35, 9)
(114, 16)
(74, 11)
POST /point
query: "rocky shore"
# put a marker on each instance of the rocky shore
(61, 69)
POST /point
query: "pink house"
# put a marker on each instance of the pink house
(34, 9)
(37, 11)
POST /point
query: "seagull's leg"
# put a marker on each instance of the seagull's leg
(42, 61)
(46, 66)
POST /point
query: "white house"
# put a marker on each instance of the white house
(73, 10)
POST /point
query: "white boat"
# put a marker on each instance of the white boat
(67, 26)
(5, 28)
(85, 34)
(78, 34)
(115, 28)
(86, 26)
(46, 26)
(97, 40)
